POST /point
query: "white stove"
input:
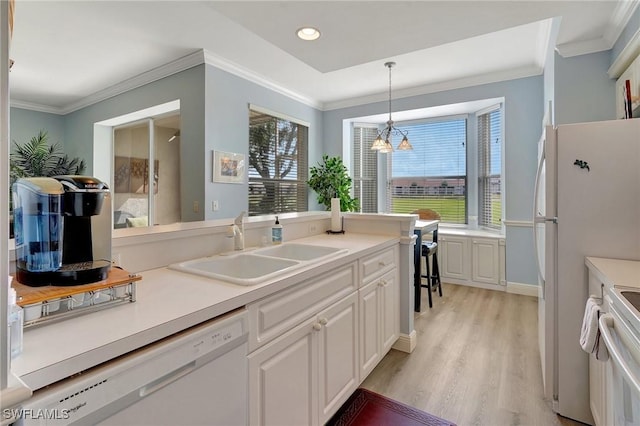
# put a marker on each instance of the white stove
(620, 330)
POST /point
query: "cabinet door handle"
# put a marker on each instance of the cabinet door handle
(323, 321)
(317, 327)
(382, 283)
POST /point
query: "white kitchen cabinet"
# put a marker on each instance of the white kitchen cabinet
(306, 342)
(472, 257)
(379, 319)
(370, 347)
(304, 376)
(283, 379)
(485, 261)
(454, 257)
(338, 360)
(274, 315)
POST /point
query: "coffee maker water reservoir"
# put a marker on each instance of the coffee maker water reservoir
(62, 229)
(37, 212)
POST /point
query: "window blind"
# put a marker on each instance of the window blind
(434, 174)
(278, 165)
(365, 168)
(489, 169)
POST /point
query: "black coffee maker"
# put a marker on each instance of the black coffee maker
(84, 222)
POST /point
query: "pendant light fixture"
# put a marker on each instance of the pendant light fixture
(383, 141)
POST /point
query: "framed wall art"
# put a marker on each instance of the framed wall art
(228, 167)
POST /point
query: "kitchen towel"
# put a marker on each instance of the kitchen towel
(590, 339)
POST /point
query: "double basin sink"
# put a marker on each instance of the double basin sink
(257, 266)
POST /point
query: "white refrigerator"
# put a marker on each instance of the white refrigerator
(587, 203)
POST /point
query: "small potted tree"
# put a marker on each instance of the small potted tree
(37, 158)
(330, 179)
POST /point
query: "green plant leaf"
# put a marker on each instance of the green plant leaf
(330, 179)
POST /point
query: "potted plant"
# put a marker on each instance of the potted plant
(37, 158)
(330, 179)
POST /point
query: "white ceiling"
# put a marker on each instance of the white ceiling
(67, 51)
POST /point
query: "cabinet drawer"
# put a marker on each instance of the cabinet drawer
(379, 262)
(272, 316)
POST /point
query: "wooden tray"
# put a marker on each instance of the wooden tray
(29, 295)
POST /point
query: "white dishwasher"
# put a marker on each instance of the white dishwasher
(196, 377)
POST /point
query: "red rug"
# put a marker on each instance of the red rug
(366, 408)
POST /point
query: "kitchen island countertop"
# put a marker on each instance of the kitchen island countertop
(167, 302)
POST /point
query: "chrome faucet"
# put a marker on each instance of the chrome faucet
(237, 231)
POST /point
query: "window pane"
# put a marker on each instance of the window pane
(489, 169)
(365, 169)
(277, 165)
(433, 175)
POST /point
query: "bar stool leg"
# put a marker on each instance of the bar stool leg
(428, 276)
(417, 289)
(436, 274)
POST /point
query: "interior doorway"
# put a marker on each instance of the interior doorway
(146, 172)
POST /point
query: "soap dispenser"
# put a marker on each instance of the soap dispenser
(276, 232)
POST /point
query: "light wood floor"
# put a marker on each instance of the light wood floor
(476, 361)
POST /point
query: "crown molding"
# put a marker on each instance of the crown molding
(626, 57)
(239, 71)
(495, 77)
(181, 64)
(619, 20)
(189, 61)
(32, 106)
(173, 67)
(577, 48)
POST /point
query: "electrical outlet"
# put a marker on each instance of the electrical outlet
(313, 228)
(215, 206)
(196, 206)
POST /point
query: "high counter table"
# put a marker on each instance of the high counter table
(421, 227)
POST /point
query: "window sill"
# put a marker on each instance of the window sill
(468, 232)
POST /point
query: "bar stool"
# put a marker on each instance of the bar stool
(430, 249)
(432, 275)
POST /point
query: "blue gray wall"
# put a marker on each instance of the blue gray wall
(185, 86)
(227, 129)
(214, 109)
(583, 89)
(26, 124)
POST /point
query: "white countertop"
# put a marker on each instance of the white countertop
(167, 301)
(426, 225)
(615, 272)
(466, 232)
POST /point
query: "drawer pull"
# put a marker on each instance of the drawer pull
(317, 327)
(382, 263)
(323, 321)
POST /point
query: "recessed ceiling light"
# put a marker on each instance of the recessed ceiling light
(308, 33)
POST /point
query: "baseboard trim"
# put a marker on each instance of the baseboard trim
(523, 289)
(485, 286)
(406, 342)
